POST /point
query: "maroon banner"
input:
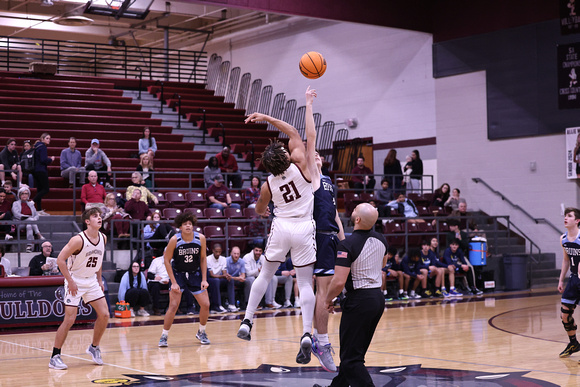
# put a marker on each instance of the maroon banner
(30, 301)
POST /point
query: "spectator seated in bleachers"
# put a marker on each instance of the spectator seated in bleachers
(9, 160)
(5, 262)
(219, 195)
(254, 261)
(111, 211)
(157, 230)
(5, 215)
(362, 176)
(383, 197)
(157, 280)
(228, 165)
(40, 264)
(71, 163)
(24, 210)
(454, 256)
(97, 160)
(136, 185)
(210, 171)
(218, 278)
(252, 194)
(441, 195)
(27, 163)
(286, 275)
(412, 266)
(93, 194)
(145, 167)
(393, 269)
(433, 267)
(453, 201)
(467, 225)
(147, 145)
(11, 194)
(236, 268)
(133, 290)
(137, 209)
(404, 206)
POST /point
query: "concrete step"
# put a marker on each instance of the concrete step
(545, 273)
(544, 282)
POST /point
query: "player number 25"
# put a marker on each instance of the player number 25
(92, 261)
(290, 192)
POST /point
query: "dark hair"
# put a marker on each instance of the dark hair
(2, 251)
(130, 273)
(455, 241)
(2, 190)
(415, 151)
(425, 243)
(360, 157)
(573, 210)
(385, 180)
(88, 213)
(274, 158)
(453, 222)
(444, 195)
(185, 217)
(414, 252)
(150, 134)
(10, 140)
(392, 250)
(391, 157)
(257, 177)
(458, 191)
(212, 162)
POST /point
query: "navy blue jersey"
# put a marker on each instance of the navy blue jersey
(573, 251)
(431, 259)
(325, 206)
(412, 268)
(187, 255)
(452, 258)
(392, 264)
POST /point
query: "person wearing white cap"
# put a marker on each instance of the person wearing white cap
(97, 160)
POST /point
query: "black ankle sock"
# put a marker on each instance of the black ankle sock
(94, 346)
(55, 351)
(573, 339)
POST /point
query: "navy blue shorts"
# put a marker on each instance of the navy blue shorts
(189, 280)
(571, 294)
(325, 254)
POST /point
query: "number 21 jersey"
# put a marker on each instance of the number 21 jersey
(292, 194)
(89, 260)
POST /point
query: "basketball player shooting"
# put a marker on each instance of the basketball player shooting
(293, 229)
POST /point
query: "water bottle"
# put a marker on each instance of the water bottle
(231, 185)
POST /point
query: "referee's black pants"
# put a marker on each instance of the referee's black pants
(361, 311)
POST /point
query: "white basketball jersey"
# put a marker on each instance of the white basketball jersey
(292, 194)
(89, 260)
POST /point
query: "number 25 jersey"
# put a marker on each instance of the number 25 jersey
(90, 259)
(292, 194)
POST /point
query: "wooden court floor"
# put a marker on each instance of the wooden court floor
(502, 339)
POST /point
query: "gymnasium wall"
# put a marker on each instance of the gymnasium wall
(464, 152)
(382, 76)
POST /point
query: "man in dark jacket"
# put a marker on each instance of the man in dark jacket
(9, 160)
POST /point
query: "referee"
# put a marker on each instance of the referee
(358, 269)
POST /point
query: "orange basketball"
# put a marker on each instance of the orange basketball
(312, 65)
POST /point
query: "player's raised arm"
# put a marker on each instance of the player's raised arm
(295, 141)
(311, 139)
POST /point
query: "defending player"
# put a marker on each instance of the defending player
(571, 296)
(293, 229)
(328, 232)
(187, 272)
(82, 278)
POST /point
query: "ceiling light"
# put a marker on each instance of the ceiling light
(46, 3)
(73, 21)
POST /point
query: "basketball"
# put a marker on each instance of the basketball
(312, 65)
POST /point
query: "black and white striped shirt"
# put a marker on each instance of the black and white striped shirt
(363, 252)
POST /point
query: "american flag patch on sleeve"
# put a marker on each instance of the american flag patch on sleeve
(341, 254)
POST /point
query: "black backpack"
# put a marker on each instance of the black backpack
(27, 161)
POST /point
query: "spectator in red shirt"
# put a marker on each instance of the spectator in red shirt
(219, 195)
(228, 165)
(362, 176)
(93, 194)
(138, 209)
